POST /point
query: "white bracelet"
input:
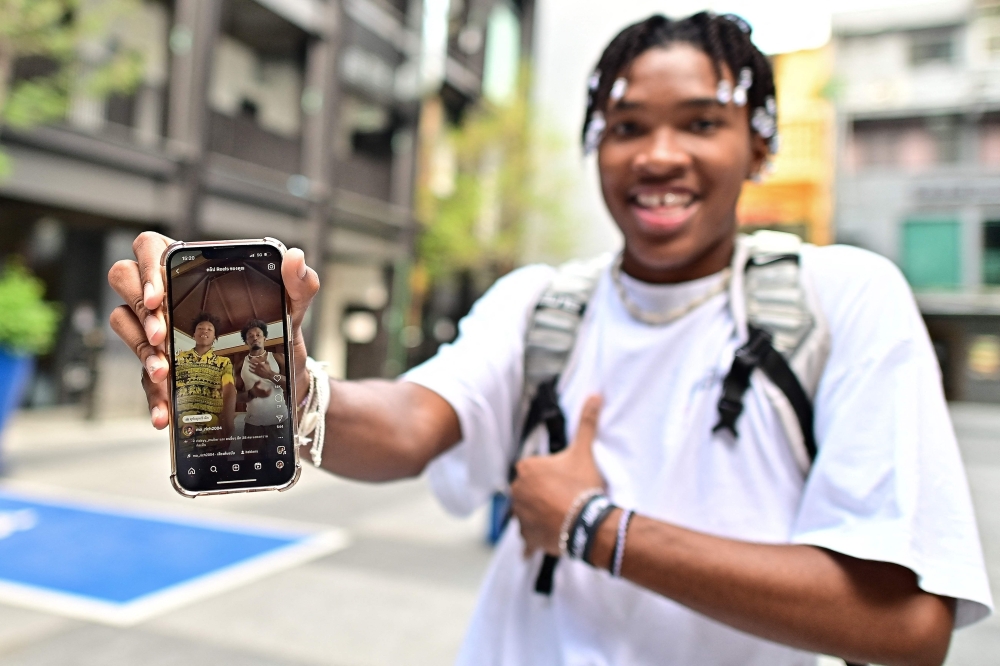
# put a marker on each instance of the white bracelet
(619, 553)
(312, 419)
(574, 509)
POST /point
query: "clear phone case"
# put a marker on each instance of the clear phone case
(292, 401)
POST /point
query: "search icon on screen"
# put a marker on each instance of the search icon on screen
(212, 469)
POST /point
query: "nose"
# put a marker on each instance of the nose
(662, 155)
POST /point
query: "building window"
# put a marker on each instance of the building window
(932, 46)
(874, 144)
(366, 128)
(910, 144)
(931, 253)
(946, 133)
(991, 253)
(989, 142)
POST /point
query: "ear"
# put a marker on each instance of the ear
(759, 152)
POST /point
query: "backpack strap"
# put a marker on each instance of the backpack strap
(759, 352)
(777, 313)
(548, 346)
(549, 343)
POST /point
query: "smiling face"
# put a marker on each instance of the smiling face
(672, 164)
(204, 334)
(255, 338)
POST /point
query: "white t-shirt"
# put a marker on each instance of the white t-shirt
(888, 483)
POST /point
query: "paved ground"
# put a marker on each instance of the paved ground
(401, 594)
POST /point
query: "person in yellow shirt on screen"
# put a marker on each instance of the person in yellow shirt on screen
(205, 380)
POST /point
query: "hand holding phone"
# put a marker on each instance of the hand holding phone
(142, 323)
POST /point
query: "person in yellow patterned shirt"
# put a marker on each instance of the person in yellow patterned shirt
(204, 380)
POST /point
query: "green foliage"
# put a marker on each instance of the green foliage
(79, 44)
(502, 181)
(28, 323)
(35, 102)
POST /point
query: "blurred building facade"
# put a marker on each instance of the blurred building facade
(296, 119)
(796, 193)
(918, 96)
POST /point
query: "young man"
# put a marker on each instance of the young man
(734, 555)
(205, 380)
(261, 385)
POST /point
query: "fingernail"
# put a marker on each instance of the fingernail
(147, 291)
(154, 414)
(302, 271)
(152, 325)
(152, 365)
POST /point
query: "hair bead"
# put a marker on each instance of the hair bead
(724, 92)
(594, 133)
(724, 39)
(618, 89)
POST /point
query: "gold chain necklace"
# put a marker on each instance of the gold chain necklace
(672, 315)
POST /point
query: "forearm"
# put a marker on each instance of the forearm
(797, 595)
(378, 430)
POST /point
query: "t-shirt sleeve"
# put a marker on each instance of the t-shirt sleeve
(888, 483)
(480, 375)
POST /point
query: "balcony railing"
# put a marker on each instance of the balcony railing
(240, 137)
(365, 175)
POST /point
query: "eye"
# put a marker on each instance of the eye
(626, 128)
(705, 125)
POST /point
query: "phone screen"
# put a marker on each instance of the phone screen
(231, 375)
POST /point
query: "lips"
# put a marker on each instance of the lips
(663, 211)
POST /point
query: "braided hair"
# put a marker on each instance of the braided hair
(725, 39)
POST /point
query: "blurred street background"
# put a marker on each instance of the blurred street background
(417, 150)
(401, 593)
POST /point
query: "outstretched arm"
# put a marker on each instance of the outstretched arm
(375, 430)
(802, 596)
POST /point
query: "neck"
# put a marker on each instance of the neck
(260, 352)
(201, 349)
(709, 262)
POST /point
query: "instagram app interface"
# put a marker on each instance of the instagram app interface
(232, 417)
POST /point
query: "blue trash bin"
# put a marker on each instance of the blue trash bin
(15, 369)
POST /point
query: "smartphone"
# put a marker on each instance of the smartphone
(232, 393)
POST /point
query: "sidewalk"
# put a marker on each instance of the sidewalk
(402, 593)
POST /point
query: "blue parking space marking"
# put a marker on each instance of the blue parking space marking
(123, 566)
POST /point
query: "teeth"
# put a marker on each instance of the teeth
(667, 200)
(673, 199)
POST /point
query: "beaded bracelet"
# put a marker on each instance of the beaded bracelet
(618, 554)
(312, 416)
(571, 514)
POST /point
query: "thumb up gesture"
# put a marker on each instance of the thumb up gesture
(546, 486)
